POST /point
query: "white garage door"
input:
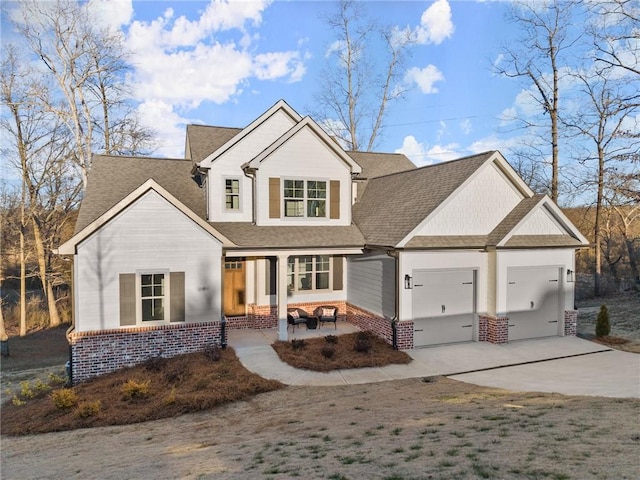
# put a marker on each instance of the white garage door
(443, 305)
(533, 302)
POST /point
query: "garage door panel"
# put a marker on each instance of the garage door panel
(533, 302)
(443, 306)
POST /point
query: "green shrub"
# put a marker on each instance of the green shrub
(88, 409)
(328, 351)
(362, 342)
(64, 398)
(603, 327)
(134, 390)
(297, 344)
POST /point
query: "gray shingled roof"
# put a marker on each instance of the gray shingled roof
(379, 164)
(393, 205)
(247, 235)
(112, 178)
(542, 241)
(513, 218)
(203, 140)
(447, 241)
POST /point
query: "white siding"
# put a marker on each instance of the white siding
(477, 208)
(540, 223)
(371, 283)
(560, 258)
(149, 234)
(228, 165)
(304, 156)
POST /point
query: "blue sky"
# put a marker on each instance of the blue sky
(219, 64)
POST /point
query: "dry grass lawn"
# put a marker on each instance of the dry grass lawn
(353, 350)
(160, 388)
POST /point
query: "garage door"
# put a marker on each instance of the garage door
(443, 306)
(533, 302)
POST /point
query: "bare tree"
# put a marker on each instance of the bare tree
(538, 59)
(356, 91)
(616, 34)
(86, 64)
(601, 120)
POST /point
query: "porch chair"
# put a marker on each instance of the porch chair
(327, 313)
(297, 316)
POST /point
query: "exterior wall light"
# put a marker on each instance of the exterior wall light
(570, 276)
(408, 282)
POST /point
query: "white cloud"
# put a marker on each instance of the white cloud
(269, 66)
(424, 78)
(465, 126)
(112, 13)
(435, 24)
(168, 126)
(421, 155)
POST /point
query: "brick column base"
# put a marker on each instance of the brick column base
(570, 323)
(493, 329)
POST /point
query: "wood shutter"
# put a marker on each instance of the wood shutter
(274, 198)
(176, 284)
(127, 299)
(334, 199)
(337, 273)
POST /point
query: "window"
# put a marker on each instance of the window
(308, 273)
(305, 198)
(152, 296)
(232, 193)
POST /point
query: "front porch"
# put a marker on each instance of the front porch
(250, 337)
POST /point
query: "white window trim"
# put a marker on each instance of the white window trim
(167, 297)
(304, 217)
(313, 290)
(224, 195)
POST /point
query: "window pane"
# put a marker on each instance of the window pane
(293, 208)
(305, 264)
(322, 281)
(316, 189)
(145, 279)
(232, 186)
(305, 281)
(316, 208)
(152, 309)
(322, 263)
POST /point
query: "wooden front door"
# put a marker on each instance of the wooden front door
(234, 288)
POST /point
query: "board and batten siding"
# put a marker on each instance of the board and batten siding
(476, 209)
(151, 234)
(228, 165)
(305, 157)
(371, 283)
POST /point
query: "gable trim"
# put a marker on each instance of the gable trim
(556, 214)
(306, 122)
(279, 105)
(70, 246)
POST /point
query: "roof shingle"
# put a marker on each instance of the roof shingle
(203, 140)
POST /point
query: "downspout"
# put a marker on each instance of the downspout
(251, 173)
(396, 307)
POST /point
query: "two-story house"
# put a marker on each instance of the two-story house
(169, 253)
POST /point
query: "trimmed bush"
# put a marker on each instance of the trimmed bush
(297, 344)
(134, 390)
(89, 409)
(213, 352)
(331, 339)
(64, 398)
(328, 351)
(603, 327)
(362, 342)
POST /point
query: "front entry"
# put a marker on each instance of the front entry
(443, 306)
(234, 288)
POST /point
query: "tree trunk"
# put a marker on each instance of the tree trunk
(597, 233)
(633, 264)
(23, 281)
(47, 289)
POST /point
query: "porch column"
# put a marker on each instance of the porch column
(282, 297)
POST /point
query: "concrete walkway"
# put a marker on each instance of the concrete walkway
(566, 365)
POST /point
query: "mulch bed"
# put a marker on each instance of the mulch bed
(323, 355)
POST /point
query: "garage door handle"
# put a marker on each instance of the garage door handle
(418, 285)
(467, 326)
(553, 280)
(467, 283)
(512, 324)
(553, 321)
(421, 330)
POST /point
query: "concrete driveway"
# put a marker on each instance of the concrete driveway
(566, 365)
